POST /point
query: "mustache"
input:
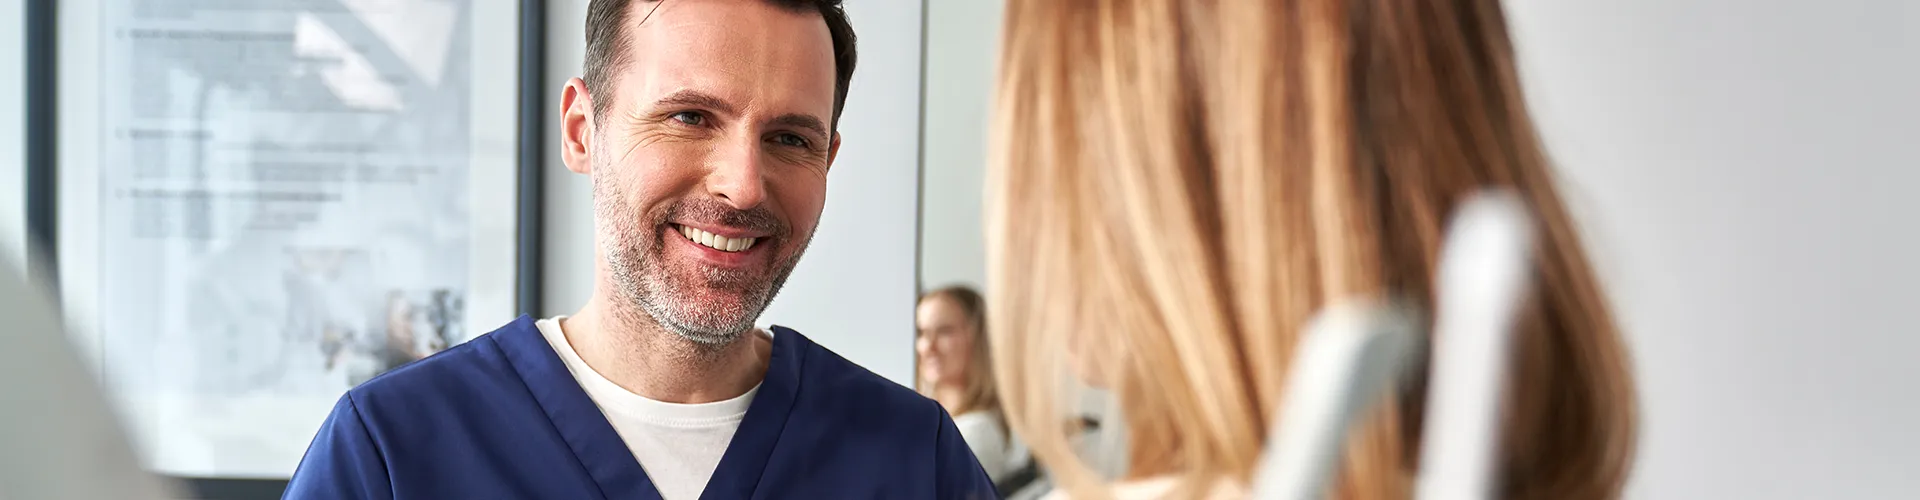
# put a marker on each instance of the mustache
(706, 211)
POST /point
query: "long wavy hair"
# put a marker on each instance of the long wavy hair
(1177, 186)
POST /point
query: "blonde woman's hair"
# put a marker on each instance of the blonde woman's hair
(980, 392)
(1177, 186)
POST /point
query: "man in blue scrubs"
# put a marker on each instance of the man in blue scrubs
(707, 127)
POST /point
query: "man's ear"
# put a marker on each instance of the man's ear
(833, 149)
(576, 126)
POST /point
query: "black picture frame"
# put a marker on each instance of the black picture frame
(42, 182)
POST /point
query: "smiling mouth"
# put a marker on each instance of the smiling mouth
(715, 241)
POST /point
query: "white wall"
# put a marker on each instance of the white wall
(963, 40)
(567, 214)
(1746, 172)
(854, 290)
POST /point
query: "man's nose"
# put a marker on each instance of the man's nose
(738, 175)
(923, 346)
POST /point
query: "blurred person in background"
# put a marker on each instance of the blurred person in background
(708, 128)
(956, 370)
(1180, 185)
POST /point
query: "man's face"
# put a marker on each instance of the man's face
(709, 166)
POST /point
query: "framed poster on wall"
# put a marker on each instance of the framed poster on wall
(258, 204)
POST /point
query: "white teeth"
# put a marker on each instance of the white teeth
(717, 242)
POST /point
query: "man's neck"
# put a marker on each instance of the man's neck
(638, 355)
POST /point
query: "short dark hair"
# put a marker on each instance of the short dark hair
(607, 45)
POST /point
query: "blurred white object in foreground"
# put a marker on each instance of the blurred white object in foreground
(1349, 353)
(58, 436)
(1347, 356)
(1483, 277)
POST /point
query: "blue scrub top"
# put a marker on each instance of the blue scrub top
(501, 417)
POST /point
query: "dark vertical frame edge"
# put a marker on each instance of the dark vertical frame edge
(920, 186)
(42, 146)
(529, 259)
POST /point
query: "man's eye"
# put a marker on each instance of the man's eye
(791, 140)
(689, 117)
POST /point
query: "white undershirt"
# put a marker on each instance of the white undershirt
(678, 445)
(984, 435)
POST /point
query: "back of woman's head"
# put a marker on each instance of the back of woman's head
(1177, 186)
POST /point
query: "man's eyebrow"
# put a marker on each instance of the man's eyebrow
(694, 99)
(808, 122)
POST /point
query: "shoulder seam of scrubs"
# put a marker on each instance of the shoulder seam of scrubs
(940, 419)
(360, 419)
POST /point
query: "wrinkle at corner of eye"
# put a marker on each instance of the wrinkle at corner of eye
(640, 140)
(647, 133)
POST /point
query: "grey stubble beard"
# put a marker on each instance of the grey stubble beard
(634, 249)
